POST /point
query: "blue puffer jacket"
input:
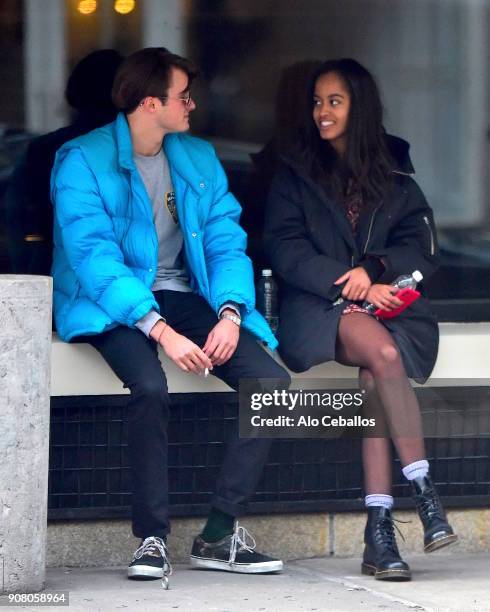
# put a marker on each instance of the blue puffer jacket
(106, 246)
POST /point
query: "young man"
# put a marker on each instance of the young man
(148, 252)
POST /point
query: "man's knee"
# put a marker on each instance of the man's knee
(271, 375)
(260, 364)
(152, 387)
(150, 395)
(276, 371)
(298, 357)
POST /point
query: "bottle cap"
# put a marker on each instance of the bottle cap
(417, 276)
(266, 272)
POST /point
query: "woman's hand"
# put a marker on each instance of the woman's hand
(384, 297)
(357, 286)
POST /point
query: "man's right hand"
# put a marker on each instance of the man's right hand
(182, 351)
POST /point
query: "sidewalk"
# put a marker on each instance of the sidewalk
(441, 583)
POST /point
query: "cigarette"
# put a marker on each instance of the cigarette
(206, 372)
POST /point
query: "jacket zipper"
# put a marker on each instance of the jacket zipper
(370, 230)
(427, 222)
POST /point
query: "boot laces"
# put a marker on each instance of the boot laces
(385, 534)
(241, 539)
(156, 547)
(429, 505)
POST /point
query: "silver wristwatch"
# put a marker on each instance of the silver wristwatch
(236, 320)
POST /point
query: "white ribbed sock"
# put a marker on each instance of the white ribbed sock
(379, 499)
(417, 469)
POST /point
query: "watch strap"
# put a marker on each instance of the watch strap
(231, 306)
(226, 315)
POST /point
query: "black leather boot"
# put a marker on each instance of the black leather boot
(437, 531)
(381, 557)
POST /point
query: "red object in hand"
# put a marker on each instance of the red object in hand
(407, 296)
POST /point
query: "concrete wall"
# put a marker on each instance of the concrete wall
(25, 348)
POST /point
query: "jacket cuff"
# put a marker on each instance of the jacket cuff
(232, 306)
(374, 267)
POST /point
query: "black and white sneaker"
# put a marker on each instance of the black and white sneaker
(150, 561)
(234, 553)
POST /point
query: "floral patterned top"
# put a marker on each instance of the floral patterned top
(352, 207)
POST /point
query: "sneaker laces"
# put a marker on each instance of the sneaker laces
(153, 545)
(239, 542)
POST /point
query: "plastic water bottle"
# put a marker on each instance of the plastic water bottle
(402, 282)
(267, 300)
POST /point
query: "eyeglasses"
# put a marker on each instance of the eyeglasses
(186, 99)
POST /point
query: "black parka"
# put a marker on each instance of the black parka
(310, 244)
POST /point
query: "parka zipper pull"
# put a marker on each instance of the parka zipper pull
(427, 222)
(370, 229)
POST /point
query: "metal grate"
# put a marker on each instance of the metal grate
(90, 474)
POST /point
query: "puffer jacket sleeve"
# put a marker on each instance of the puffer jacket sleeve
(90, 243)
(412, 240)
(293, 255)
(229, 269)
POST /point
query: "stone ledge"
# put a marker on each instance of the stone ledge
(75, 364)
(108, 543)
(289, 536)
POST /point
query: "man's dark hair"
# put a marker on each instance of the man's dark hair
(147, 73)
(367, 164)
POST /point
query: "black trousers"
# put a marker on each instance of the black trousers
(134, 359)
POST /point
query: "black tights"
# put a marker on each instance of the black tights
(364, 342)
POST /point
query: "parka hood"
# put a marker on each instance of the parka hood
(400, 152)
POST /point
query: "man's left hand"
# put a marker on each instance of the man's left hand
(222, 341)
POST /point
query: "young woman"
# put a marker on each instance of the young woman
(344, 220)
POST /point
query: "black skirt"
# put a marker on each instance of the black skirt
(309, 326)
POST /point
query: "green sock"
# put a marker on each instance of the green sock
(219, 525)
